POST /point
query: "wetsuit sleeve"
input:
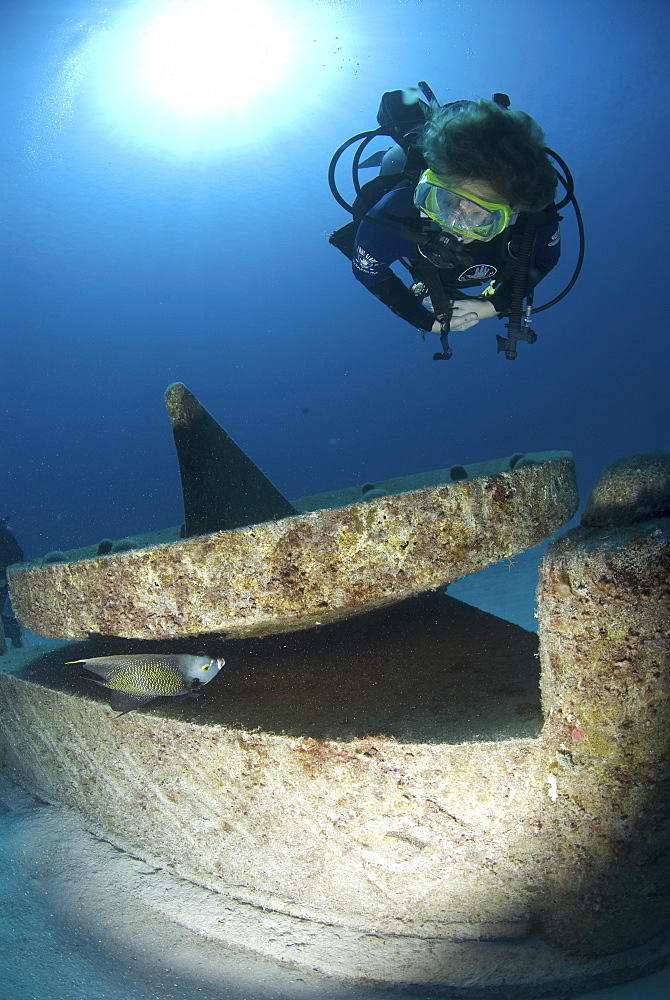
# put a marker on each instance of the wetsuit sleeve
(394, 294)
(375, 249)
(547, 254)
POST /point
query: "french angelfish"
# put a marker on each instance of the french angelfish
(136, 679)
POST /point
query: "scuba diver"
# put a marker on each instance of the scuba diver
(464, 198)
(10, 552)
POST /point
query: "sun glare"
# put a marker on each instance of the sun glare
(196, 77)
(206, 55)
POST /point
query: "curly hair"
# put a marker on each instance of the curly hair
(482, 141)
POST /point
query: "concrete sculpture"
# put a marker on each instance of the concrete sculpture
(380, 798)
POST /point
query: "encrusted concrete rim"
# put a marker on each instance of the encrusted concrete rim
(300, 571)
(344, 497)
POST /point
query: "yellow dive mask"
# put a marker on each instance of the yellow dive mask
(458, 211)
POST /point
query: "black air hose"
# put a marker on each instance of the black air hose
(525, 250)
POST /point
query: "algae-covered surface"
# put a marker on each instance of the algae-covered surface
(303, 571)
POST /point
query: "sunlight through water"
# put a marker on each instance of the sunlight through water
(188, 76)
(207, 55)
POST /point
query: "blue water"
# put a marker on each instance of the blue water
(139, 249)
(142, 245)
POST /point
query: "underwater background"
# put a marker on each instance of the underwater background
(148, 237)
(145, 243)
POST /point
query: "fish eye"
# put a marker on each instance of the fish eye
(206, 666)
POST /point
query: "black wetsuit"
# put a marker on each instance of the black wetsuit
(377, 248)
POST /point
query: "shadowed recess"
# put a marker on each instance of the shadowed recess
(429, 670)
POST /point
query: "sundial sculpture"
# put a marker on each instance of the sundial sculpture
(373, 789)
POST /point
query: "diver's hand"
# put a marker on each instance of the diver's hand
(468, 312)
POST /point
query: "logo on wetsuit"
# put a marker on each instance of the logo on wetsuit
(365, 262)
(478, 272)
